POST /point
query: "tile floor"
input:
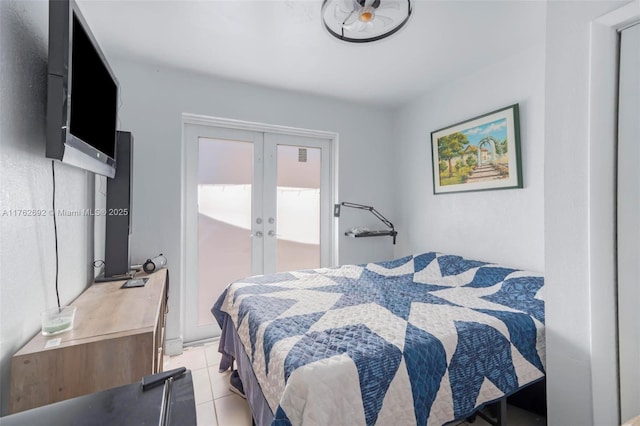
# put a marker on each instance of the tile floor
(216, 405)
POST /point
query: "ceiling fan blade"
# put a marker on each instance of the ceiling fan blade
(345, 17)
(355, 26)
(350, 19)
(344, 8)
(369, 27)
(382, 21)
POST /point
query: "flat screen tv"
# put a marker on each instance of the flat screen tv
(82, 94)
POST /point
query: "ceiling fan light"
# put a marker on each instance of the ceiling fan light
(364, 21)
(367, 15)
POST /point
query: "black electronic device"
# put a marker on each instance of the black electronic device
(154, 380)
(117, 257)
(127, 405)
(82, 94)
(135, 282)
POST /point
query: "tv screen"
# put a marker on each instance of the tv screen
(91, 121)
(82, 94)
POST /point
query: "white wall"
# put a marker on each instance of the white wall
(153, 99)
(503, 226)
(27, 259)
(581, 358)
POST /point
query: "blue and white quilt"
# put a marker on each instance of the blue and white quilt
(425, 339)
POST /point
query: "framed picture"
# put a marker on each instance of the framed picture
(479, 154)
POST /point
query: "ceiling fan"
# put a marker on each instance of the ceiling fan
(361, 21)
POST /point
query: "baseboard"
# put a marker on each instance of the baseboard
(173, 346)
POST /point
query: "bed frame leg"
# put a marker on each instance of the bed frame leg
(502, 412)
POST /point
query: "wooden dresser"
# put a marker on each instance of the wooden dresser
(117, 338)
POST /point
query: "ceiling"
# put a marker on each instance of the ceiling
(283, 44)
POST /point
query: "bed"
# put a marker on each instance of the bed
(422, 340)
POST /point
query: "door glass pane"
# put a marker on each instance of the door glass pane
(225, 175)
(298, 208)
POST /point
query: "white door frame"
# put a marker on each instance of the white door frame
(603, 78)
(628, 224)
(237, 127)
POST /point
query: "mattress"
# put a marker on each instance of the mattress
(425, 339)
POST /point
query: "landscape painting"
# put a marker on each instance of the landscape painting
(478, 154)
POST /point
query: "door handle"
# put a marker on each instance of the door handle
(257, 234)
(272, 233)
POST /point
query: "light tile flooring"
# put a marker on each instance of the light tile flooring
(216, 405)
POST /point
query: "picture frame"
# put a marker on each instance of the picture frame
(479, 154)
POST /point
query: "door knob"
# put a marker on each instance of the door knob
(272, 233)
(257, 234)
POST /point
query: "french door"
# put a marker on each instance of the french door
(257, 202)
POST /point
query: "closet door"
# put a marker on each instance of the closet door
(629, 223)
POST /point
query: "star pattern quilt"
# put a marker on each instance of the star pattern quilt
(422, 340)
